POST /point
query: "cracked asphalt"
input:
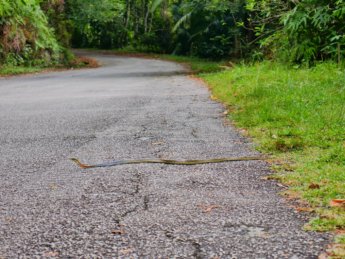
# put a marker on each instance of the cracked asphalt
(134, 108)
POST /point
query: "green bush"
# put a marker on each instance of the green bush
(25, 36)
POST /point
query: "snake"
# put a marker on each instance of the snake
(167, 161)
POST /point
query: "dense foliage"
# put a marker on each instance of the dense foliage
(298, 31)
(97, 23)
(301, 31)
(25, 35)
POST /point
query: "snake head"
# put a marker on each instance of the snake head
(84, 166)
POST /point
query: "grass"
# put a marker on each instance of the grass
(298, 116)
(16, 70)
(77, 62)
(197, 65)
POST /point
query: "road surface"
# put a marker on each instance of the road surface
(127, 109)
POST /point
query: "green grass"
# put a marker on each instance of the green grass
(77, 62)
(298, 116)
(16, 70)
(197, 65)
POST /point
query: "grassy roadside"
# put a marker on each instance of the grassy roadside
(15, 70)
(297, 116)
(197, 65)
(78, 62)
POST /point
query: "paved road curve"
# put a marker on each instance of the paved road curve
(133, 108)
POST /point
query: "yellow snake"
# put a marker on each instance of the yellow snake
(169, 162)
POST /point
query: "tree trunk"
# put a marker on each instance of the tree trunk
(128, 13)
(146, 17)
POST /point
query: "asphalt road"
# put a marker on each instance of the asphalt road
(133, 108)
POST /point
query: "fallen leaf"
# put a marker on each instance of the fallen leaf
(244, 132)
(340, 231)
(51, 254)
(213, 98)
(158, 143)
(323, 256)
(268, 177)
(126, 251)
(53, 186)
(208, 208)
(337, 203)
(9, 220)
(304, 209)
(282, 185)
(118, 232)
(337, 250)
(314, 186)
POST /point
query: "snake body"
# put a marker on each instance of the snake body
(166, 161)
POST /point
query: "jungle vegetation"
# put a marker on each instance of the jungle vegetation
(39, 32)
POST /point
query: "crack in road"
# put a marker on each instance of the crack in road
(197, 254)
(146, 202)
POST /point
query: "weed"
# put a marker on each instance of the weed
(16, 70)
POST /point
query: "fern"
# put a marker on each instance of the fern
(26, 35)
(182, 20)
(155, 4)
(5, 8)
